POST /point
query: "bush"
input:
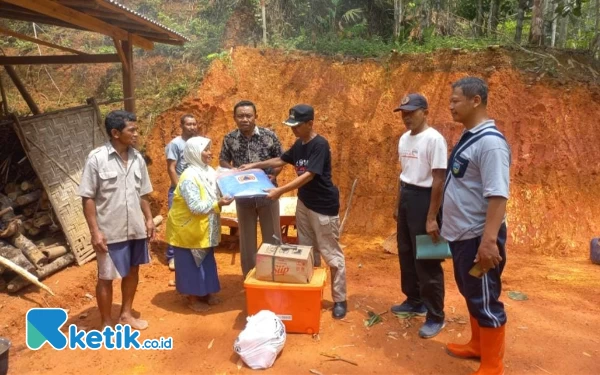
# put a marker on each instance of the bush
(331, 44)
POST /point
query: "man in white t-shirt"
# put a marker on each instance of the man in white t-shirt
(423, 156)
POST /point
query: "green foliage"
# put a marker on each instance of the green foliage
(331, 44)
(567, 7)
(509, 27)
(223, 56)
(207, 38)
(177, 90)
(434, 43)
(467, 9)
(114, 90)
(149, 8)
(105, 49)
(332, 20)
(352, 15)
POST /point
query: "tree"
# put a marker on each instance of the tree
(398, 7)
(479, 20)
(493, 21)
(536, 34)
(264, 20)
(523, 5)
(563, 27)
(554, 26)
(597, 27)
(595, 44)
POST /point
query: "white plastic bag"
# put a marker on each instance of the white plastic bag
(261, 341)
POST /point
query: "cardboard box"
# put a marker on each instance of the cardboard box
(285, 263)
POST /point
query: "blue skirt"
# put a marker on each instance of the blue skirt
(193, 280)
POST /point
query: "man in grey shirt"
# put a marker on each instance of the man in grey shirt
(475, 194)
(176, 164)
(114, 189)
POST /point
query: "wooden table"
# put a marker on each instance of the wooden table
(287, 217)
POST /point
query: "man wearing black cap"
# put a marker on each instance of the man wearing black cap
(422, 152)
(318, 206)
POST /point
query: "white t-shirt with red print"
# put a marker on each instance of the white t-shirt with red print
(420, 154)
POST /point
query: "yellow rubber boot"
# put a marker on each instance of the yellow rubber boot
(492, 351)
(470, 349)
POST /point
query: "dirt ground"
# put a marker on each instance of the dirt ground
(554, 332)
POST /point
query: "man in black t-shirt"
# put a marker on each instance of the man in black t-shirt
(318, 206)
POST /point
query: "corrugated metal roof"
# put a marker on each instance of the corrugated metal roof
(125, 8)
(109, 11)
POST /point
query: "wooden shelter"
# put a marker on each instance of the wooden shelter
(55, 144)
(126, 27)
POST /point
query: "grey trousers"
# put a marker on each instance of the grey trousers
(248, 210)
(322, 233)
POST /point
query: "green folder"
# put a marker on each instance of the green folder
(426, 249)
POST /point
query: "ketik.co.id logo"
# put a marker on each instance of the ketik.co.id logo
(43, 325)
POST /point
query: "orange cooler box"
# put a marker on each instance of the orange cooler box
(297, 305)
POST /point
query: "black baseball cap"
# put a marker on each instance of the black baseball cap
(299, 114)
(412, 102)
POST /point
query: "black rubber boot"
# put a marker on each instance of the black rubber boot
(339, 310)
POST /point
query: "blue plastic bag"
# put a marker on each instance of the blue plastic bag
(244, 184)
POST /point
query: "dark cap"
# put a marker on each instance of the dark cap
(412, 102)
(299, 114)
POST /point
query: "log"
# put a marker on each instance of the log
(42, 220)
(30, 210)
(4, 204)
(54, 228)
(14, 195)
(11, 229)
(55, 252)
(30, 251)
(6, 211)
(27, 186)
(19, 283)
(24, 200)
(50, 241)
(22, 272)
(28, 224)
(15, 255)
(34, 232)
(45, 205)
(11, 187)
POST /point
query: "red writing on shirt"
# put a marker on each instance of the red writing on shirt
(301, 166)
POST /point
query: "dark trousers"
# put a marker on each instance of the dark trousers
(422, 280)
(482, 294)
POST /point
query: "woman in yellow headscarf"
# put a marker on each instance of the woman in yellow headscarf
(194, 228)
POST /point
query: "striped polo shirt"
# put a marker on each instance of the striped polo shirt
(478, 168)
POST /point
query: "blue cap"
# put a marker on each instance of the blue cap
(412, 102)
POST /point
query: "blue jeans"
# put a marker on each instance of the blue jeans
(170, 251)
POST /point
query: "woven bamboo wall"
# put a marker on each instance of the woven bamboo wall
(57, 145)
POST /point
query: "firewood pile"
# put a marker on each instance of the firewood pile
(30, 233)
